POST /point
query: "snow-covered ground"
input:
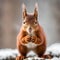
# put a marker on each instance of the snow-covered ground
(8, 53)
(54, 50)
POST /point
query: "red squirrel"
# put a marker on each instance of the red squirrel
(31, 35)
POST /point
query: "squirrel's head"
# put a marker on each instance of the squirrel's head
(30, 21)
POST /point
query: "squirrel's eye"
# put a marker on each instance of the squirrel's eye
(35, 23)
(23, 22)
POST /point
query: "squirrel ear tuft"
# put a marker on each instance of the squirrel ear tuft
(36, 10)
(24, 12)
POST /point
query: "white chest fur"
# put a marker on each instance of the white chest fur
(31, 45)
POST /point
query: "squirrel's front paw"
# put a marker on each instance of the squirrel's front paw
(26, 39)
(33, 39)
(20, 57)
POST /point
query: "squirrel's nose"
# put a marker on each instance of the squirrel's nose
(30, 29)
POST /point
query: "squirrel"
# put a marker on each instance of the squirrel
(31, 35)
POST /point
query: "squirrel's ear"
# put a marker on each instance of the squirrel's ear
(24, 12)
(36, 10)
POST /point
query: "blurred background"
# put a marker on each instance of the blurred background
(11, 20)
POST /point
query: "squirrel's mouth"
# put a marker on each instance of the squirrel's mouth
(29, 30)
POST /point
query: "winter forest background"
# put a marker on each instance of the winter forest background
(11, 19)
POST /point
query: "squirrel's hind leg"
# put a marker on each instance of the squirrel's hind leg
(47, 56)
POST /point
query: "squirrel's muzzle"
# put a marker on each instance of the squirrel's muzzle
(30, 29)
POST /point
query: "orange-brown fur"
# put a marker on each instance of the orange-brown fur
(24, 37)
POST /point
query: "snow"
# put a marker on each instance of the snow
(7, 53)
(55, 58)
(31, 53)
(54, 49)
(34, 58)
